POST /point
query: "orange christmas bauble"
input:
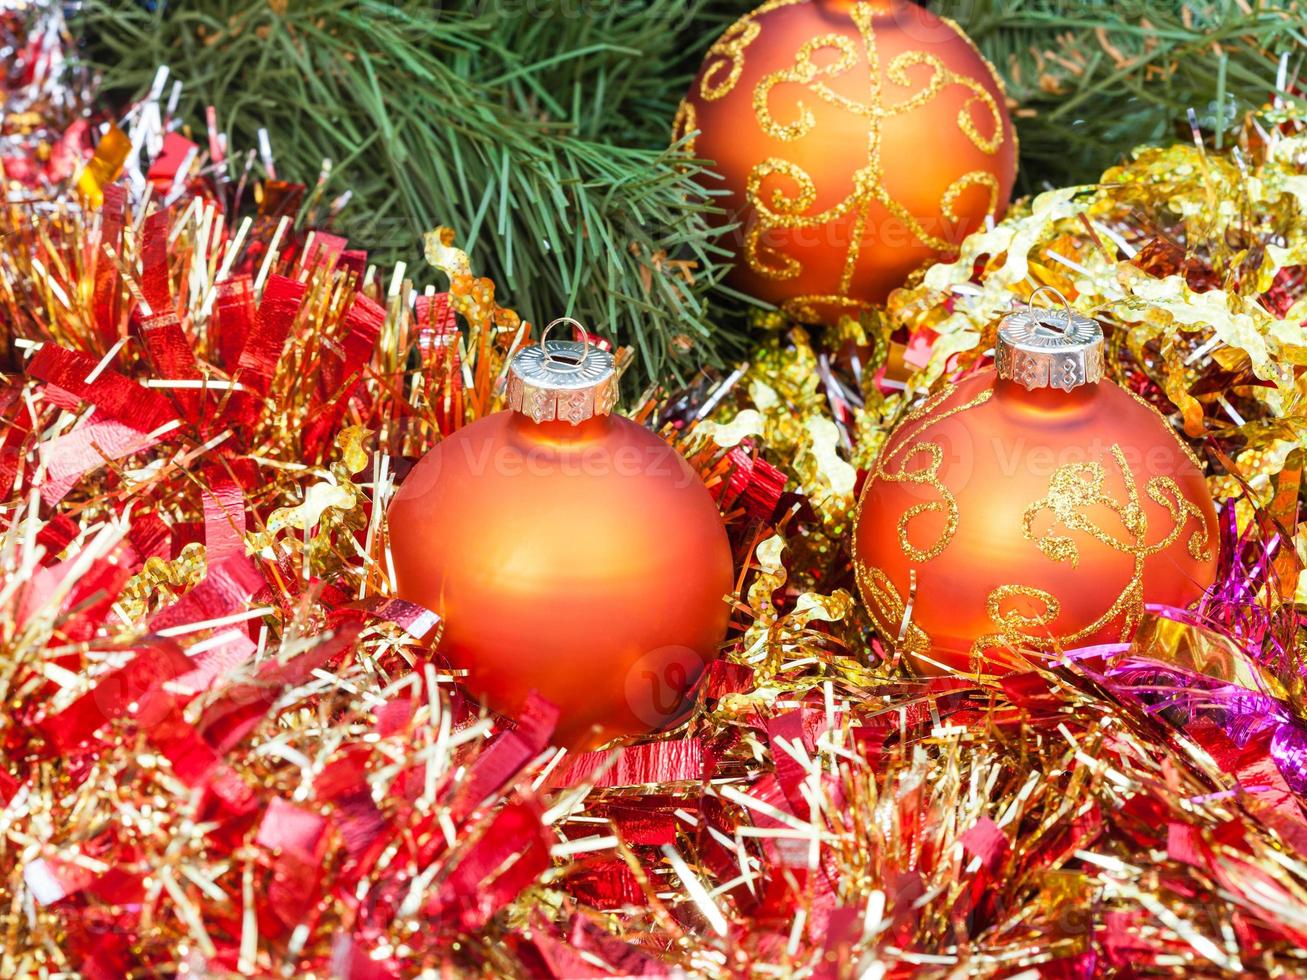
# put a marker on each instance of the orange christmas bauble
(568, 552)
(855, 140)
(1035, 506)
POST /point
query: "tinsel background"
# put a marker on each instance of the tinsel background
(226, 751)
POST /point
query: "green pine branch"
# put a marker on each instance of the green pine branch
(537, 129)
(1095, 79)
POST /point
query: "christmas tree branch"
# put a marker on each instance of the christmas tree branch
(541, 139)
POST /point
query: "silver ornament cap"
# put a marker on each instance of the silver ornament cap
(1040, 347)
(562, 380)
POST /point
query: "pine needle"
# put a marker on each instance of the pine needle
(539, 132)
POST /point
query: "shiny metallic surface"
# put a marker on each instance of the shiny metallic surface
(1049, 348)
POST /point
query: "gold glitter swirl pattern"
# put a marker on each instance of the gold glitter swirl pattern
(967, 124)
(1078, 487)
(685, 121)
(780, 212)
(729, 52)
(781, 205)
(868, 181)
(805, 308)
(1164, 490)
(894, 465)
(940, 77)
(1012, 623)
(1075, 491)
(994, 76)
(890, 608)
(976, 178)
(805, 71)
(1008, 619)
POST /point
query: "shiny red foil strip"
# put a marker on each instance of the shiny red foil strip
(141, 409)
(652, 763)
(105, 302)
(233, 318)
(258, 360)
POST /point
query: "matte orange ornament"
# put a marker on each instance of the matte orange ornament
(1038, 506)
(567, 551)
(855, 140)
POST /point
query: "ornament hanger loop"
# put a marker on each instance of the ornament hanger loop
(551, 358)
(562, 380)
(1042, 347)
(1066, 306)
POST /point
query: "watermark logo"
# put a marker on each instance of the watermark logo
(659, 684)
